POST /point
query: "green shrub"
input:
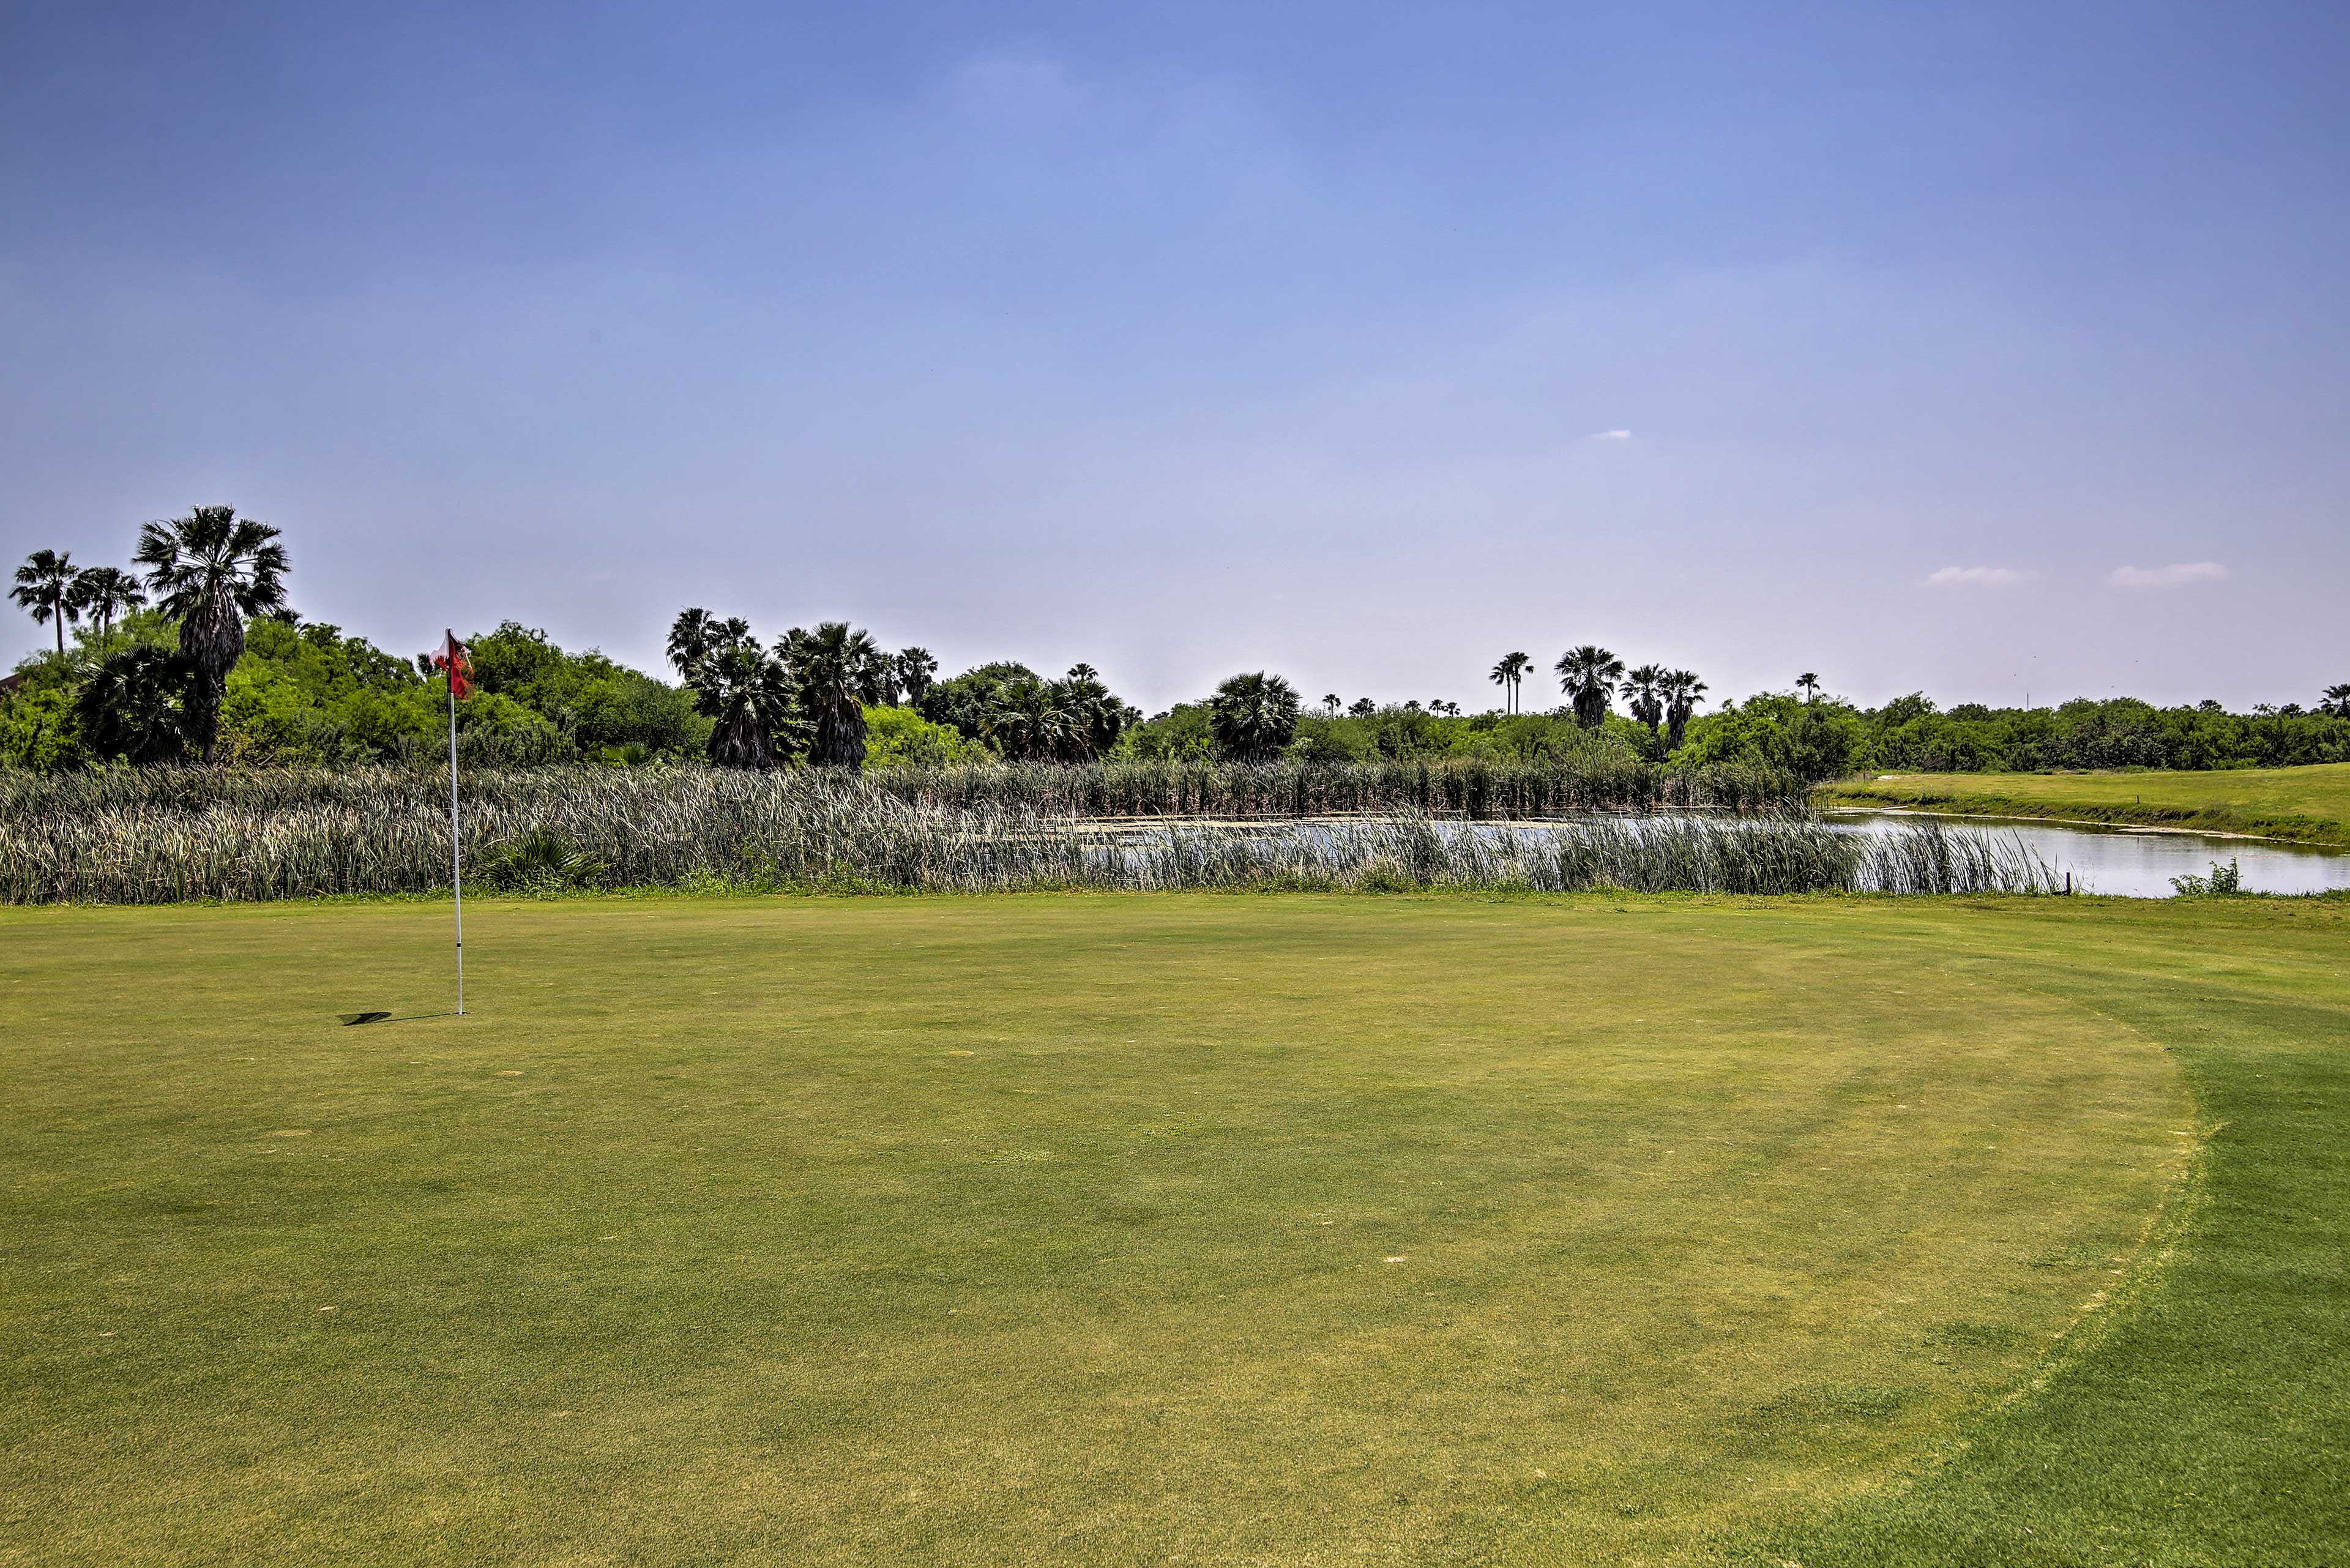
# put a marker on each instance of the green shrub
(902, 738)
(2224, 882)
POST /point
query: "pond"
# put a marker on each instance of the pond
(2139, 863)
(2136, 862)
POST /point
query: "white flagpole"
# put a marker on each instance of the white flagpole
(456, 854)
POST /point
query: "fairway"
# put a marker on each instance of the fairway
(1123, 1229)
(2310, 804)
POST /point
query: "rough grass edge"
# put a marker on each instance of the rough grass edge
(2164, 1237)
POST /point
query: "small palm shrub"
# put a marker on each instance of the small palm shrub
(539, 862)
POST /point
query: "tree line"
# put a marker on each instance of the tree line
(194, 653)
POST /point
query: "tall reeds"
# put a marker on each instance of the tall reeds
(162, 837)
(1475, 787)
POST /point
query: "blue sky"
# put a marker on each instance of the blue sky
(1983, 349)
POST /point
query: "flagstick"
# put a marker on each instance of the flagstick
(456, 854)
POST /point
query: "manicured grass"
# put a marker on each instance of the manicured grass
(2310, 804)
(1059, 1230)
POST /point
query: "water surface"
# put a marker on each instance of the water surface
(2135, 862)
(2139, 863)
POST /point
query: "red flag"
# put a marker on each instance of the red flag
(452, 661)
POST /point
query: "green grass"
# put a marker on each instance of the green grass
(1056, 1229)
(2309, 804)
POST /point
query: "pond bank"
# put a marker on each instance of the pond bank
(2289, 805)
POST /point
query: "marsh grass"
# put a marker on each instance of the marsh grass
(1478, 788)
(173, 836)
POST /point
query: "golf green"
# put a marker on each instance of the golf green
(1109, 1228)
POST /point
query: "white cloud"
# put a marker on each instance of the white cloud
(1976, 576)
(1611, 435)
(2176, 575)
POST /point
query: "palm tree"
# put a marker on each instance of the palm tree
(1588, 675)
(1809, 685)
(135, 705)
(1509, 673)
(695, 635)
(1362, 708)
(1646, 688)
(1015, 720)
(749, 694)
(2337, 701)
(104, 592)
(1682, 691)
(209, 570)
(746, 693)
(1069, 720)
(1253, 716)
(1093, 717)
(1331, 704)
(837, 670)
(916, 670)
(45, 586)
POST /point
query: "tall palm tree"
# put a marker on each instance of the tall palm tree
(1682, 691)
(2337, 701)
(1588, 675)
(1253, 716)
(1331, 704)
(695, 635)
(916, 670)
(1509, 673)
(1094, 717)
(837, 670)
(209, 570)
(746, 692)
(1645, 688)
(749, 694)
(1809, 685)
(45, 586)
(103, 593)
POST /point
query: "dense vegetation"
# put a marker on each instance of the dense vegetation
(1824, 739)
(221, 668)
(169, 836)
(307, 694)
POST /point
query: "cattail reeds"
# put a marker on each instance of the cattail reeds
(165, 836)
